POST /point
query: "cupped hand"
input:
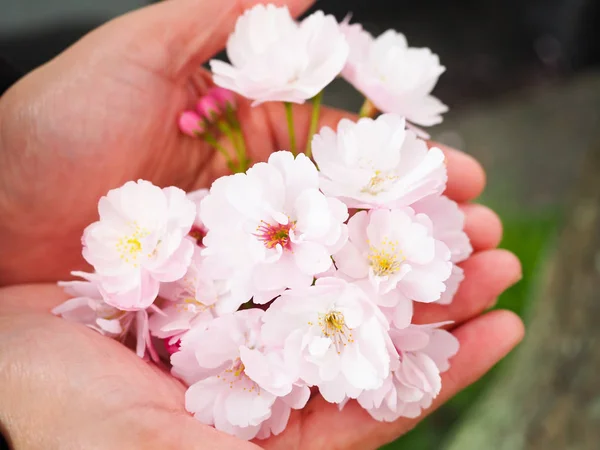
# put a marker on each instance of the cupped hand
(104, 112)
(64, 386)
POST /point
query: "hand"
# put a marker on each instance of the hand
(105, 112)
(65, 386)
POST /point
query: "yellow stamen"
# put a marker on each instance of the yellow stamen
(387, 259)
(377, 183)
(333, 326)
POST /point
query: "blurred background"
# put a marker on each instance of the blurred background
(523, 86)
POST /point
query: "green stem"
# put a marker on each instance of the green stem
(227, 130)
(238, 139)
(290, 121)
(314, 121)
(212, 140)
(368, 109)
(243, 155)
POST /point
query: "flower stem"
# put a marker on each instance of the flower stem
(212, 141)
(232, 135)
(368, 109)
(242, 155)
(314, 121)
(290, 121)
(238, 140)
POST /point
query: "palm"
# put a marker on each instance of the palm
(133, 404)
(104, 112)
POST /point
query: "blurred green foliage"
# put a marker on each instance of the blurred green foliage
(530, 237)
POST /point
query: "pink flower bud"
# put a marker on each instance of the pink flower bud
(191, 123)
(223, 96)
(209, 108)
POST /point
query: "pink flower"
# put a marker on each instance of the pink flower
(191, 123)
(208, 108)
(139, 242)
(415, 380)
(87, 307)
(448, 224)
(373, 163)
(198, 230)
(333, 335)
(224, 97)
(271, 227)
(237, 388)
(196, 298)
(273, 58)
(394, 77)
(396, 251)
(452, 284)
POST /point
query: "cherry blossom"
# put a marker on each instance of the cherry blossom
(424, 351)
(139, 242)
(373, 163)
(208, 107)
(396, 251)
(337, 337)
(191, 123)
(237, 388)
(293, 274)
(195, 298)
(271, 227)
(448, 224)
(452, 284)
(88, 307)
(396, 78)
(198, 230)
(225, 98)
(273, 58)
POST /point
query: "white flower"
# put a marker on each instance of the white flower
(195, 298)
(415, 380)
(452, 284)
(374, 163)
(396, 78)
(235, 386)
(396, 251)
(448, 224)
(87, 307)
(271, 227)
(139, 242)
(337, 336)
(273, 58)
(198, 230)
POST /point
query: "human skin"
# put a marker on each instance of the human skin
(104, 112)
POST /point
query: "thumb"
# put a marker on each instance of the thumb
(174, 37)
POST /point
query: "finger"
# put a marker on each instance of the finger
(181, 35)
(28, 298)
(483, 226)
(487, 275)
(466, 178)
(483, 342)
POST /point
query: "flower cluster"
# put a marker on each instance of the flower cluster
(291, 274)
(217, 103)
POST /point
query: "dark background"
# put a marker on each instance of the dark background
(488, 46)
(522, 83)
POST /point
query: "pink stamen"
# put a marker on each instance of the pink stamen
(276, 234)
(198, 234)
